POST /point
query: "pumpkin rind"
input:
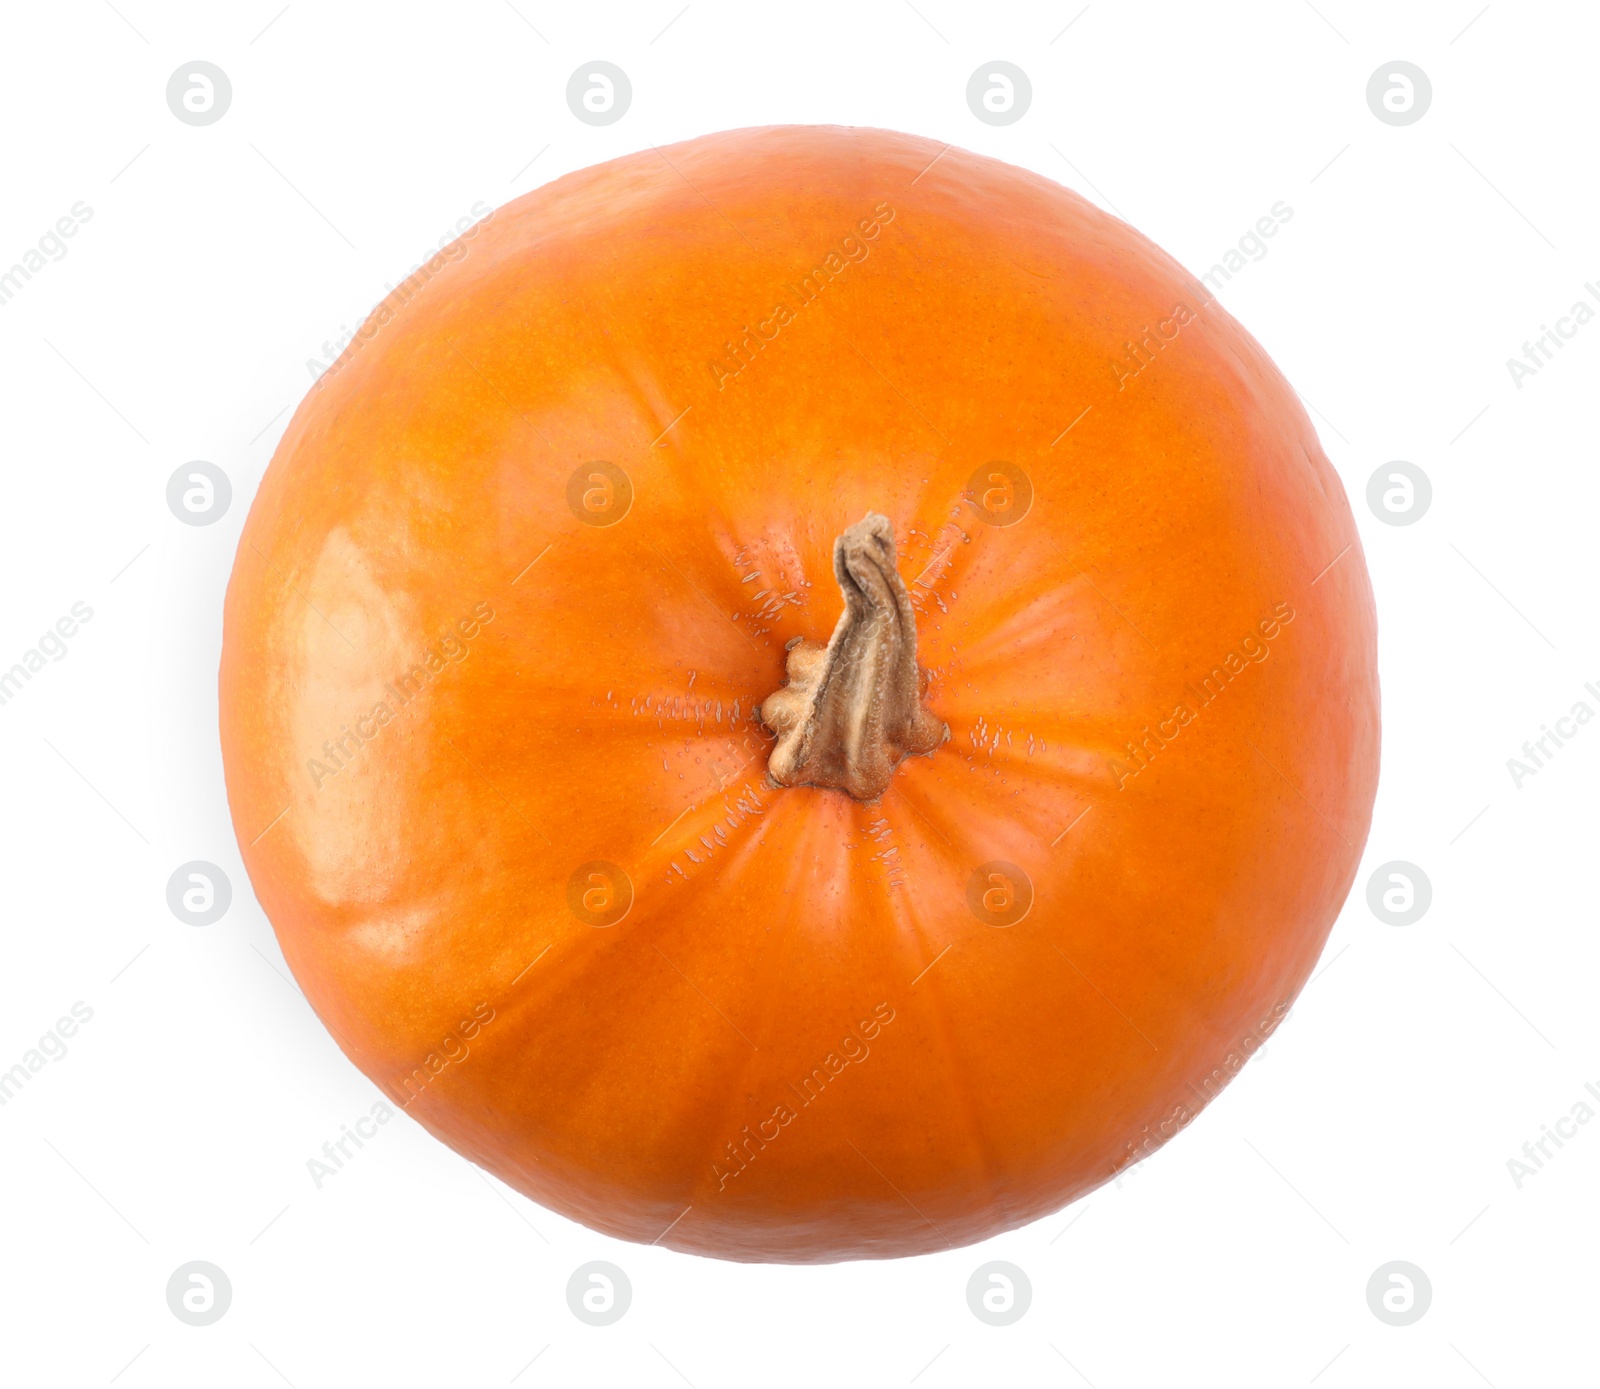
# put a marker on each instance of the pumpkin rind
(452, 708)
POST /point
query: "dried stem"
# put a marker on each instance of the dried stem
(852, 710)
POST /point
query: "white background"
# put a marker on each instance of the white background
(1376, 1126)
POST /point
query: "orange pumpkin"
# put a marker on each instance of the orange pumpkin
(801, 696)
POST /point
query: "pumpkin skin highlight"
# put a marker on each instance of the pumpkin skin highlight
(442, 694)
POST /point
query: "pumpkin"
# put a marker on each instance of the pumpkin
(801, 696)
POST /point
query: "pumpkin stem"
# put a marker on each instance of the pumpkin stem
(851, 711)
